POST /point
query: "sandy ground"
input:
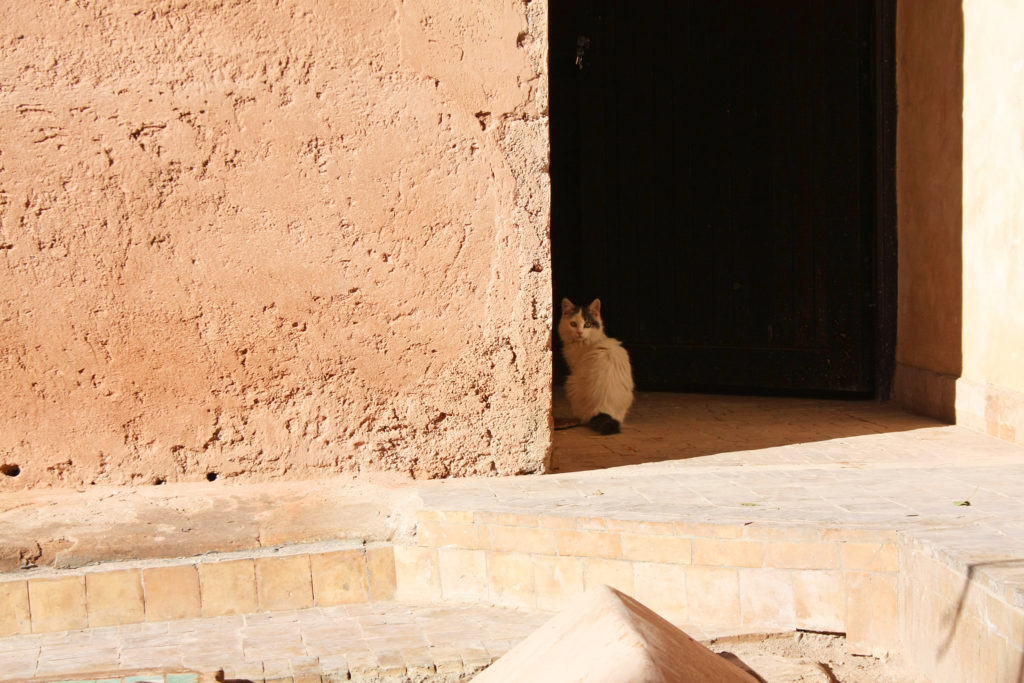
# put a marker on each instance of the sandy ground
(804, 657)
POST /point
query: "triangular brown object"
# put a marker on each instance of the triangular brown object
(608, 637)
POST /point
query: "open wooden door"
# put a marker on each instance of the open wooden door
(714, 183)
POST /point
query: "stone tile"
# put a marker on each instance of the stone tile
(380, 570)
(57, 604)
(339, 578)
(475, 658)
(511, 578)
(521, 539)
(334, 669)
(663, 588)
(589, 544)
(615, 573)
(716, 552)
(591, 523)
(706, 530)
(390, 665)
(447, 661)
(649, 548)
(800, 555)
(442, 534)
(557, 581)
(419, 665)
(20, 663)
(244, 671)
(277, 669)
(966, 654)
(556, 521)
(306, 670)
(453, 516)
(713, 596)
(766, 599)
(325, 640)
(1007, 620)
(155, 657)
(210, 660)
(284, 583)
(417, 574)
(270, 643)
(869, 557)
(228, 588)
(819, 600)
(363, 665)
(114, 598)
(463, 574)
(872, 613)
(14, 611)
(642, 527)
(78, 663)
(505, 518)
(390, 631)
(773, 532)
(855, 535)
(171, 592)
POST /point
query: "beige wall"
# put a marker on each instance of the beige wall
(270, 239)
(990, 394)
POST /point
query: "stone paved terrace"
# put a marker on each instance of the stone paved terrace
(726, 514)
(337, 643)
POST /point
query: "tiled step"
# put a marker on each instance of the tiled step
(297, 576)
(750, 577)
(924, 588)
(361, 642)
(881, 588)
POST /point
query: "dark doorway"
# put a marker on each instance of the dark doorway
(719, 181)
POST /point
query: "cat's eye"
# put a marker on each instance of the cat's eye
(573, 323)
(589, 324)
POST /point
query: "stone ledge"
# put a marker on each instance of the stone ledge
(425, 642)
(212, 585)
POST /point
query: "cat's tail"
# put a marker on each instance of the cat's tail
(604, 423)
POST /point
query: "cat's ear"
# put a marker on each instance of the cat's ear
(595, 308)
(567, 307)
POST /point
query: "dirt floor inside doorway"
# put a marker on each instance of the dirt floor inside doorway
(670, 426)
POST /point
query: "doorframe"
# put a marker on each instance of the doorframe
(886, 215)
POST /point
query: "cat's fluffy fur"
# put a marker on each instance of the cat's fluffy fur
(600, 384)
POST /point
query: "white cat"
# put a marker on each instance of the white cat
(600, 384)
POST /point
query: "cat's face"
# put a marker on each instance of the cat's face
(580, 324)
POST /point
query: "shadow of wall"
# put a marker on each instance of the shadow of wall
(929, 188)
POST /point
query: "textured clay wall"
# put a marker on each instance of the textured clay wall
(929, 82)
(990, 395)
(265, 239)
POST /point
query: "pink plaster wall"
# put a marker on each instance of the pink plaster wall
(929, 180)
(960, 165)
(271, 239)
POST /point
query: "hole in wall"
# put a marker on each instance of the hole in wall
(211, 476)
(10, 470)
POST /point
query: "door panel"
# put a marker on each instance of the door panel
(713, 179)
